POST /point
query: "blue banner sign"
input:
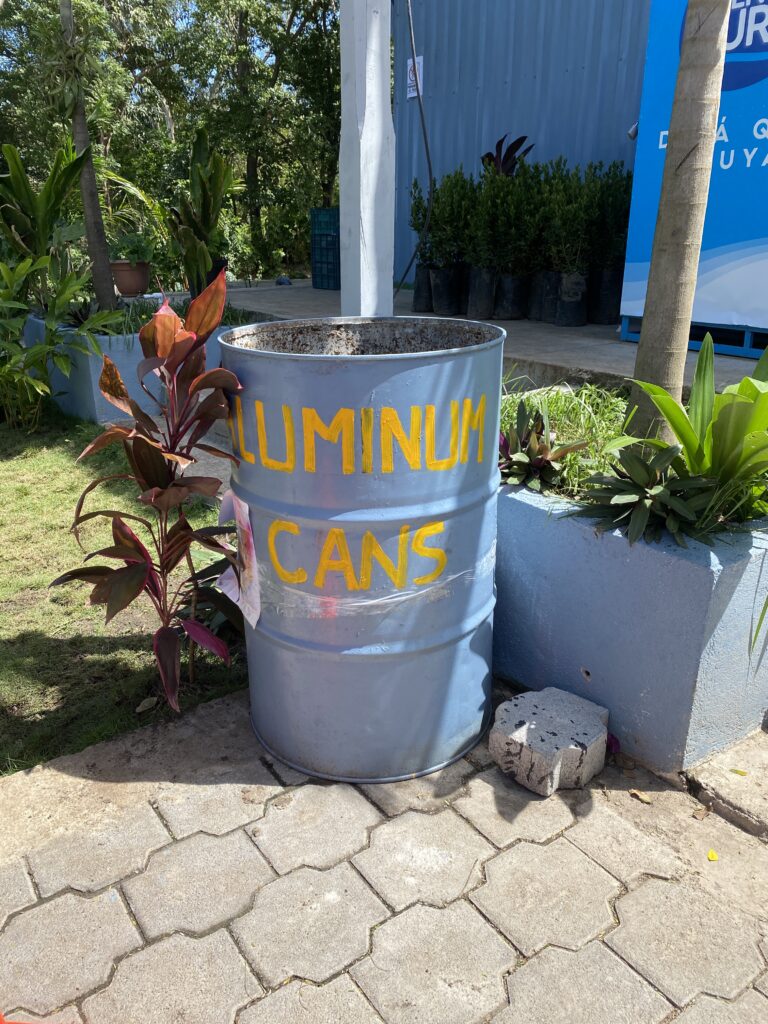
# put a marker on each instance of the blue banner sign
(732, 286)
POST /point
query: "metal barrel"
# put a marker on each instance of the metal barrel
(368, 461)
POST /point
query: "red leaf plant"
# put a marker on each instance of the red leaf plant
(158, 450)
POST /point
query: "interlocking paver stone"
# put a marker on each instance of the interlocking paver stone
(192, 981)
(589, 987)
(762, 985)
(427, 793)
(504, 811)
(310, 924)
(431, 966)
(16, 890)
(314, 825)
(750, 1008)
(685, 942)
(69, 1015)
(215, 808)
(55, 952)
(621, 848)
(338, 1002)
(430, 858)
(539, 895)
(197, 884)
(738, 879)
(90, 859)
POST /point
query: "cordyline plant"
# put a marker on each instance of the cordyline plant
(157, 451)
(526, 455)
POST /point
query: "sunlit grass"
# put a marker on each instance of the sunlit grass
(66, 679)
(585, 413)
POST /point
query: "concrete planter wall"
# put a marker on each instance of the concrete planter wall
(658, 634)
(79, 395)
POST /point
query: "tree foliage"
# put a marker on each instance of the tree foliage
(260, 76)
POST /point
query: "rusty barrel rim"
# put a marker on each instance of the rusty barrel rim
(229, 338)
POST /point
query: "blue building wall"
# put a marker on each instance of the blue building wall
(566, 73)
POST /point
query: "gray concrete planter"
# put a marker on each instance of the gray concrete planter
(79, 395)
(658, 634)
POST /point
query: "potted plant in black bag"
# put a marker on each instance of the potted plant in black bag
(451, 210)
(544, 279)
(515, 229)
(609, 243)
(483, 244)
(571, 205)
(422, 289)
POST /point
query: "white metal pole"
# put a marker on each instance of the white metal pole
(366, 160)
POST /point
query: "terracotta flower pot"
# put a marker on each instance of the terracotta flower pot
(130, 278)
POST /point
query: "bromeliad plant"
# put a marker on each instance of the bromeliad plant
(505, 161)
(526, 455)
(157, 453)
(642, 498)
(723, 437)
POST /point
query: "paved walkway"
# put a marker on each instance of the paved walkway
(181, 876)
(542, 352)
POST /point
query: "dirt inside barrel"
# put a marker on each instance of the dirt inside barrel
(378, 337)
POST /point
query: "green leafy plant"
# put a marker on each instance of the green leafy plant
(418, 223)
(643, 498)
(517, 221)
(194, 223)
(612, 194)
(483, 235)
(133, 246)
(588, 411)
(569, 210)
(720, 436)
(157, 452)
(452, 206)
(25, 364)
(30, 219)
(527, 454)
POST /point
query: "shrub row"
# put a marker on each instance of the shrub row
(508, 246)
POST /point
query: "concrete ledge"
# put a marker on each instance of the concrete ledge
(658, 634)
(79, 394)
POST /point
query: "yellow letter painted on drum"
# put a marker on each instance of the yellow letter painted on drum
(342, 425)
(371, 549)
(231, 425)
(410, 444)
(419, 548)
(244, 453)
(289, 464)
(472, 421)
(450, 462)
(286, 575)
(366, 429)
(335, 542)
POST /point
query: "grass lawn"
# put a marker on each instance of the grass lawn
(66, 679)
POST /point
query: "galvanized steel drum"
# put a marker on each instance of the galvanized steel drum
(368, 461)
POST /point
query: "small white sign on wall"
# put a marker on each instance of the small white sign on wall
(412, 94)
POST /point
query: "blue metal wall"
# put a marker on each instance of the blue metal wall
(567, 73)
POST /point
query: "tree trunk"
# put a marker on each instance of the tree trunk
(682, 207)
(98, 251)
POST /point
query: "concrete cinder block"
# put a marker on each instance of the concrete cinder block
(549, 740)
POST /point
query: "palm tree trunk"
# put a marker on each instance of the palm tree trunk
(98, 251)
(682, 207)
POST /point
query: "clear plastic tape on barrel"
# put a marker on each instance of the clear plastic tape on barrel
(259, 587)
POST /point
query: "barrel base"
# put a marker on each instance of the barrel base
(357, 780)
